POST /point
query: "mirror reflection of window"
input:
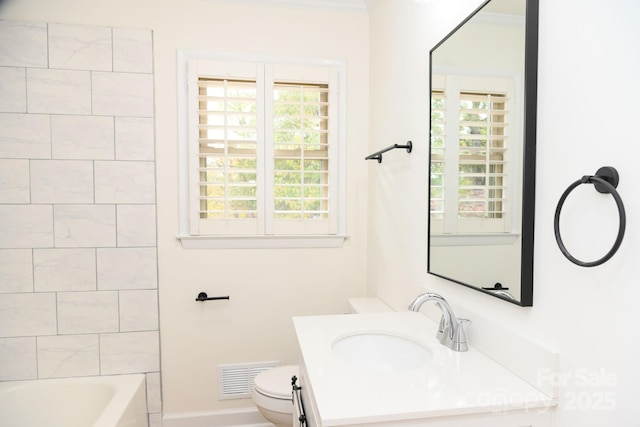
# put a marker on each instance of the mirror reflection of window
(470, 187)
(481, 155)
(438, 114)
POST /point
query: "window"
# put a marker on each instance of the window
(469, 184)
(301, 151)
(227, 142)
(264, 140)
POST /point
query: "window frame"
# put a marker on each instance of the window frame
(187, 237)
(460, 80)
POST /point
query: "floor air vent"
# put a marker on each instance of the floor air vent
(236, 381)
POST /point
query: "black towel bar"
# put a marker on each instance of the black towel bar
(378, 154)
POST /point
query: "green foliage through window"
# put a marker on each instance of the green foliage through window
(301, 158)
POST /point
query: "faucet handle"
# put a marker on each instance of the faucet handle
(459, 337)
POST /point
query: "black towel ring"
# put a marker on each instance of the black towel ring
(605, 181)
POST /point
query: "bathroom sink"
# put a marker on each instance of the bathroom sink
(381, 352)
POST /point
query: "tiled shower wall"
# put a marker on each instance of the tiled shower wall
(78, 263)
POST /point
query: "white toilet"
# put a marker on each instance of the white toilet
(272, 394)
(272, 388)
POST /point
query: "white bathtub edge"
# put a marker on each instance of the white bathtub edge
(130, 403)
(114, 400)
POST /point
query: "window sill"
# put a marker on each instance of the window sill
(473, 239)
(261, 242)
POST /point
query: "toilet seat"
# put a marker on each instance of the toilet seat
(272, 389)
(276, 382)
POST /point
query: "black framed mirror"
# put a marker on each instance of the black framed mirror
(482, 156)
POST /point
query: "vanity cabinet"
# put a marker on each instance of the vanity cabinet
(450, 389)
(540, 417)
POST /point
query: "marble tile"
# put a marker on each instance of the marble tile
(124, 182)
(134, 138)
(16, 270)
(18, 357)
(23, 315)
(13, 87)
(84, 226)
(136, 225)
(127, 268)
(64, 270)
(26, 136)
(138, 310)
(132, 50)
(87, 312)
(79, 47)
(57, 246)
(58, 91)
(14, 181)
(82, 137)
(68, 356)
(154, 393)
(26, 226)
(61, 181)
(122, 94)
(130, 352)
(23, 44)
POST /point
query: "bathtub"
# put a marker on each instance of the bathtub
(108, 401)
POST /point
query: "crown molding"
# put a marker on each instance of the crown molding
(355, 5)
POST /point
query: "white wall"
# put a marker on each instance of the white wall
(588, 84)
(266, 287)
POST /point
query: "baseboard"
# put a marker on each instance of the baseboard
(240, 417)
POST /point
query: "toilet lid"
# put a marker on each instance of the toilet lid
(276, 382)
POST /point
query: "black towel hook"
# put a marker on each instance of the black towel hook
(605, 181)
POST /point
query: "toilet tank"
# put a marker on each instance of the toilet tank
(367, 305)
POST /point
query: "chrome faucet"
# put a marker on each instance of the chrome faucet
(451, 330)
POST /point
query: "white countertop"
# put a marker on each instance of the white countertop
(453, 383)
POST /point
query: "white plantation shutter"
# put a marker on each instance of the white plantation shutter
(265, 141)
(301, 158)
(226, 145)
(438, 136)
(469, 185)
(228, 148)
(482, 147)
(302, 141)
(300, 151)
